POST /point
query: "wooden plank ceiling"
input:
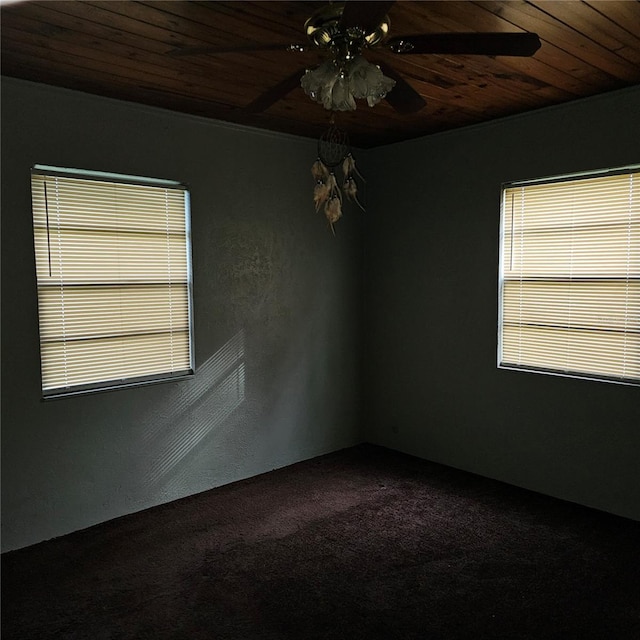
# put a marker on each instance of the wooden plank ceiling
(126, 50)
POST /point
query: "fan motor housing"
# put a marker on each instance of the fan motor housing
(323, 29)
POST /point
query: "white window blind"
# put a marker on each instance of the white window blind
(113, 276)
(570, 276)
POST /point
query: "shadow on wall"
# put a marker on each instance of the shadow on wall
(184, 420)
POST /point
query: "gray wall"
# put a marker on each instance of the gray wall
(433, 388)
(277, 314)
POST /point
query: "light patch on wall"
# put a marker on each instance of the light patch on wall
(174, 432)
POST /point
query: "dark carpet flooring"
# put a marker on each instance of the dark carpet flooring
(360, 544)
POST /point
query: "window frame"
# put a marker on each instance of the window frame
(124, 382)
(529, 368)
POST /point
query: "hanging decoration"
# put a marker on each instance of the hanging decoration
(334, 151)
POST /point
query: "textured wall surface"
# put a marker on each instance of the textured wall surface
(277, 302)
(433, 388)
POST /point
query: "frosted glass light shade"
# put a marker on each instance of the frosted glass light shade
(337, 87)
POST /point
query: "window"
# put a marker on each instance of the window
(113, 275)
(570, 276)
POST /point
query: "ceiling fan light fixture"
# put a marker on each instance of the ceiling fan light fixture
(325, 25)
(337, 86)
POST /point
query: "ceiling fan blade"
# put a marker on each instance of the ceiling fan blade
(277, 92)
(403, 97)
(364, 14)
(486, 44)
(179, 52)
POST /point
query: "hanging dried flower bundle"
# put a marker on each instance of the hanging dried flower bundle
(333, 150)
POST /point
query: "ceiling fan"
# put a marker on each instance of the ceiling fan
(346, 30)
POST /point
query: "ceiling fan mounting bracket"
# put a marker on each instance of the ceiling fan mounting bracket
(402, 46)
